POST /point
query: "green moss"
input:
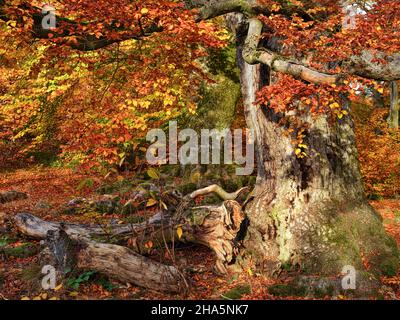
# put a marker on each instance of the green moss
(31, 273)
(187, 188)
(23, 251)
(135, 219)
(237, 292)
(286, 290)
(353, 236)
(1, 279)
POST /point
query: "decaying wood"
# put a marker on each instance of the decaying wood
(213, 226)
(37, 228)
(218, 231)
(115, 261)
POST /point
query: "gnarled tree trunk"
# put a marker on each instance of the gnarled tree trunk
(309, 212)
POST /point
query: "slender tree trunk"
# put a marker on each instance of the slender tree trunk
(394, 105)
(310, 213)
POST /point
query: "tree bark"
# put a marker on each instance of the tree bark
(310, 213)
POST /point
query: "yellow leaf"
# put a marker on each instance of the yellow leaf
(58, 287)
(12, 23)
(25, 298)
(54, 298)
(250, 272)
(153, 174)
(144, 11)
(334, 105)
(73, 294)
(151, 202)
(164, 205)
(179, 232)
(297, 151)
(44, 296)
(149, 244)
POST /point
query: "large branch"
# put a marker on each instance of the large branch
(253, 55)
(214, 8)
(366, 65)
(68, 31)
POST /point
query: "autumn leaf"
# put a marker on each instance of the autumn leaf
(179, 232)
(152, 173)
(151, 202)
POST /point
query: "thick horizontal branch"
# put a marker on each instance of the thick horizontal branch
(253, 55)
(212, 9)
(367, 65)
(37, 228)
(66, 29)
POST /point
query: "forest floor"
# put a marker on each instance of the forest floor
(48, 189)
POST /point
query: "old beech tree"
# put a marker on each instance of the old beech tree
(300, 62)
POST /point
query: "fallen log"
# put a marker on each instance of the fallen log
(112, 260)
(37, 228)
(213, 226)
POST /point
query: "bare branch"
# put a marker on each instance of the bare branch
(219, 191)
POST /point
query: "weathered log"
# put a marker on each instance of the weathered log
(217, 230)
(12, 195)
(37, 228)
(112, 260)
(213, 226)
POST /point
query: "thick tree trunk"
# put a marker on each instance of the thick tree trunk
(310, 213)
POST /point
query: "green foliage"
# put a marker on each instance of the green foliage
(237, 292)
(23, 251)
(74, 283)
(286, 290)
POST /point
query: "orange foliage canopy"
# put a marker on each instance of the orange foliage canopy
(100, 104)
(103, 101)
